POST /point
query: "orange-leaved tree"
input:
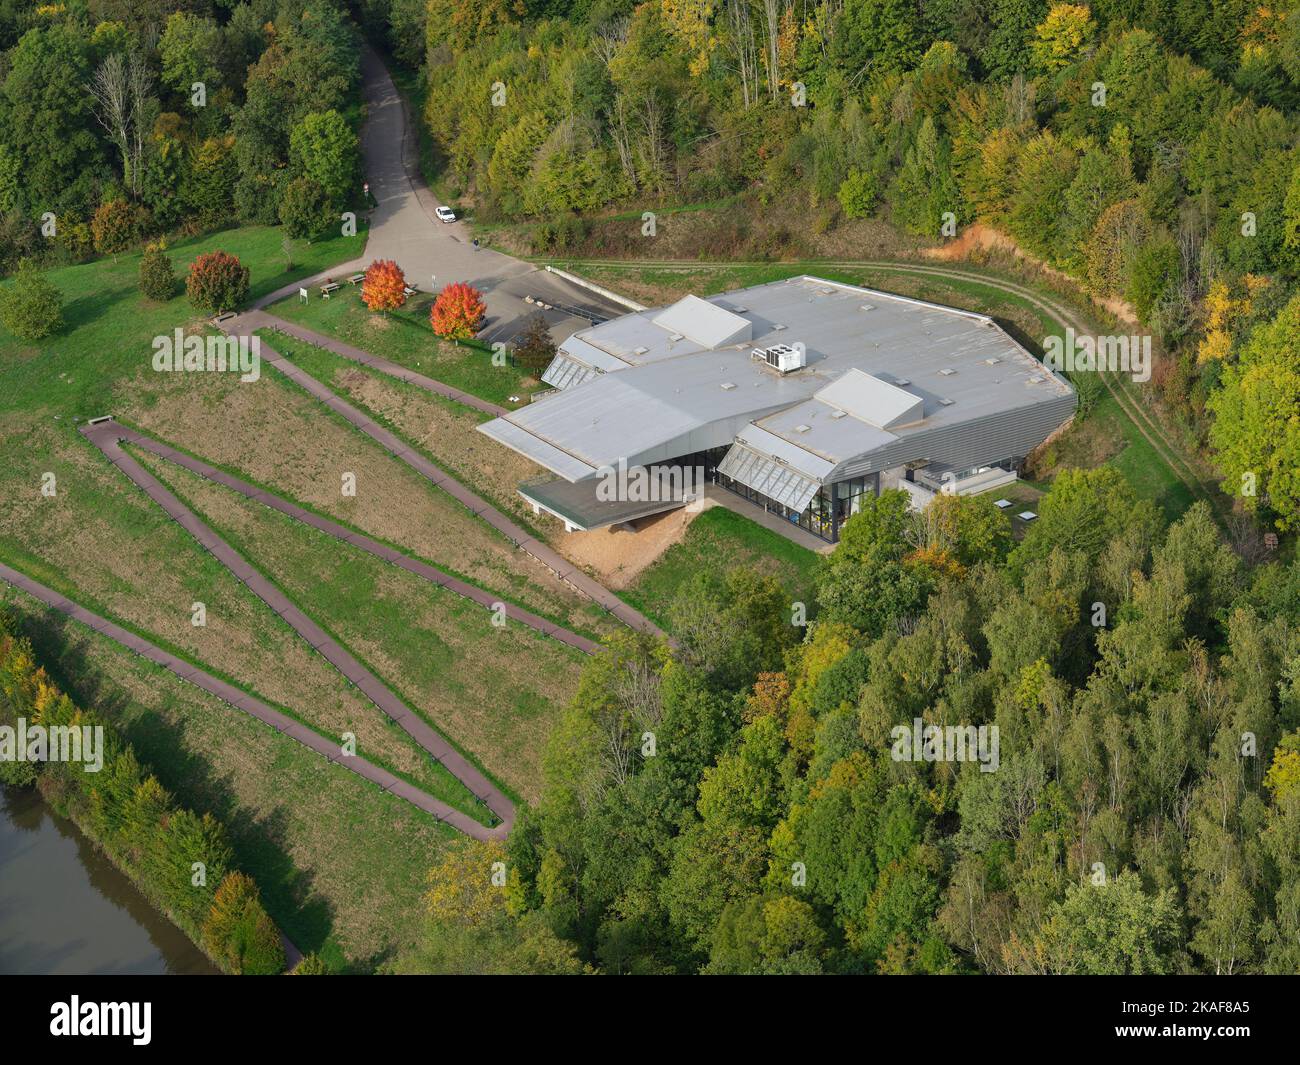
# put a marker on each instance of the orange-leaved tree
(457, 312)
(217, 282)
(384, 287)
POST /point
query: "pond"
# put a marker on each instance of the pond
(65, 909)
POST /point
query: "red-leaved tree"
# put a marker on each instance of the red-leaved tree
(217, 282)
(458, 311)
(384, 288)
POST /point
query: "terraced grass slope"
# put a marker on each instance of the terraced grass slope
(492, 690)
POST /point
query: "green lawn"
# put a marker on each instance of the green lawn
(721, 536)
(109, 326)
(404, 337)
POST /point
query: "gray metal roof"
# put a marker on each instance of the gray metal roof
(708, 324)
(580, 504)
(871, 400)
(663, 395)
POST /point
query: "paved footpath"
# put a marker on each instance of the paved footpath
(245, 324)
(426, 570)
(249, 704)
(254, 320)
(107, 437)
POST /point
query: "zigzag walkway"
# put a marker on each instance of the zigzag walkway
(248, 323)
(241, 700)
(107, 436)
(429, 572)
(258, 319)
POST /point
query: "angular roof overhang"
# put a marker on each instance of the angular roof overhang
(538, 450)
(565, 371)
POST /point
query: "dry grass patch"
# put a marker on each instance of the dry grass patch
(446, 431)
(274, 434)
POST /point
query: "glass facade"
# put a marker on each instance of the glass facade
(829, 509)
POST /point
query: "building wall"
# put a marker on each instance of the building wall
(982, 441)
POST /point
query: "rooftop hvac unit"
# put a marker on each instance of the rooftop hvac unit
(782, 357)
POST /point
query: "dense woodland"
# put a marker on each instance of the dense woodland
(1144, 816)
(129, 121)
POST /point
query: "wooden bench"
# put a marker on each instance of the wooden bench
(355, 278)
(410, 290)
(325, 290)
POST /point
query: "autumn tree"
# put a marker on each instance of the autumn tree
(1062, 37)
(239, 933)
(217, 282)
(457, 313)
(113, 227)
(384, 286)
(471, 927)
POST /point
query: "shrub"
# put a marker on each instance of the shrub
(30, 307)
(217, 282)
(113, 227)
(157, 277)
(859, 193)
(562, 235)
(458, 312)
(75, 239)
(311, 965)
(384, 287)
(305, 209)
(534, 348)
(238, 932)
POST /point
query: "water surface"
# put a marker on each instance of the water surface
(65, 909)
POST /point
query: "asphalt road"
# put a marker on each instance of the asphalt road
(431, 253)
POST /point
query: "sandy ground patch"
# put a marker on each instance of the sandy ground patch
(976, 239)
(618, 555)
